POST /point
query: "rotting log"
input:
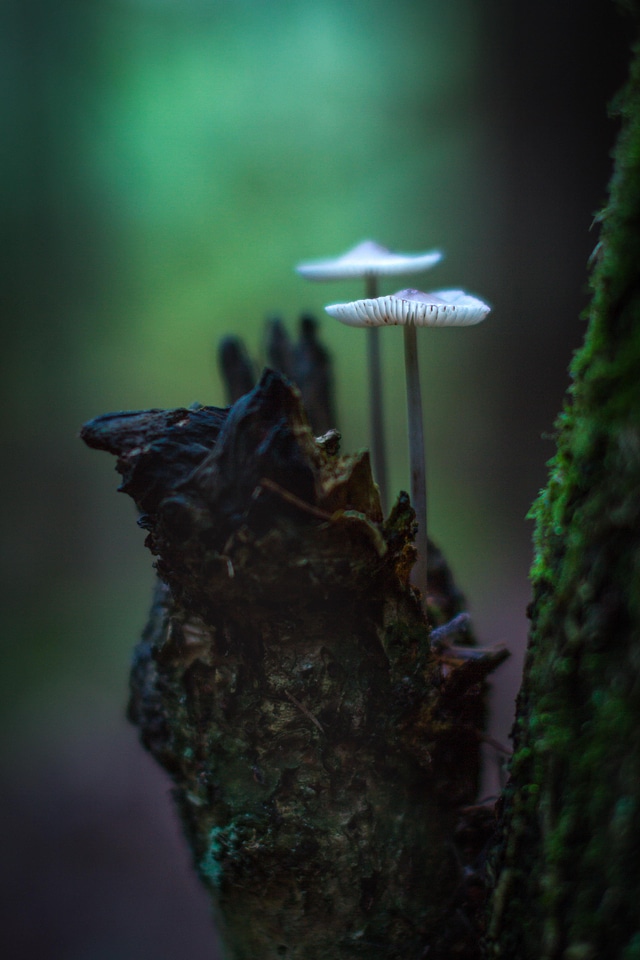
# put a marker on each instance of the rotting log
(323, 751)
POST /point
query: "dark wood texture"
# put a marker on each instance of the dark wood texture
(322, 751)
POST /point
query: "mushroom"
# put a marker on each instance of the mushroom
(411, 309)
(369, 261)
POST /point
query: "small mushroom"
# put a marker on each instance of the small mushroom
(411, 309)
(369, 260)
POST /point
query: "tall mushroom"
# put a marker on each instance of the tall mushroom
(369, 260)
(411, 309)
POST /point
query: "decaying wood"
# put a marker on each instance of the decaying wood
(306, 363)
(236, 368)
(324, 754)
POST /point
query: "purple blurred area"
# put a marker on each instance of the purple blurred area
(94, 866)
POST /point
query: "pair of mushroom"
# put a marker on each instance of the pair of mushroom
(408, 308)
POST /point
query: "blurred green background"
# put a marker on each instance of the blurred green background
(166, 163)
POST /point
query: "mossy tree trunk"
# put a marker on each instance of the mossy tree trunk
(567, 865)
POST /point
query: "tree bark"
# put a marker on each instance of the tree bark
(320, 746)
(566, 871)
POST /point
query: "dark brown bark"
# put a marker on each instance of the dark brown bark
(321, 748)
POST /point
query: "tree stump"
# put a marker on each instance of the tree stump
(321, 748)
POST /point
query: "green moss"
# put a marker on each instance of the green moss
(632, 949)
(573, 854)
(211, 865)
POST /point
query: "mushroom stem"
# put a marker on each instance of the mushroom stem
(416, 456)
(376, 421)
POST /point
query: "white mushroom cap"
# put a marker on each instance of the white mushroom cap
(444, 308)
(368, 259)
